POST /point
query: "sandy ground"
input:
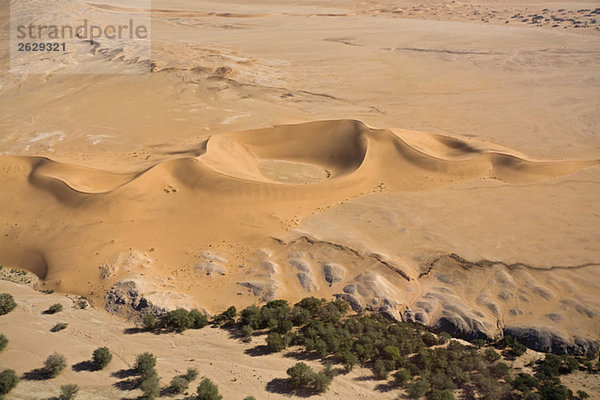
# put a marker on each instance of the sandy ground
(441, 158)
(231, 364)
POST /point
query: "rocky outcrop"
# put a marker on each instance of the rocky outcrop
(125, 299)
(333, 273)
(545, 340)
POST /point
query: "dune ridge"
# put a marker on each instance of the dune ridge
(345, 148)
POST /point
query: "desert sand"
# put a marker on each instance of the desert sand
(435, 161)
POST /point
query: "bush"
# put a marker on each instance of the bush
(582, 395)
(179, 320)
(440, 395)
(199, 320)
(150, 385)
(54, 308)
(179, 385)
(303, 377)
(101, 357)
(402, 377)
(491, 355)
(207, 390)
(145, 363)
(59, 327)
(149, 321)
(417, 389)
(68, 392)
(226, 317)
(429, 339)
(8, 381)
(249, 398)
(54, 365)
(3, 342)
(277, 342)
(7, 303)
(191, 374)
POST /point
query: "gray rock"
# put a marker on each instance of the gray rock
(211, 268)
(306, 281)
(545, 340)
(350, 299)
(334, 273)
(390, 313)
(350, 289)
(124, 299)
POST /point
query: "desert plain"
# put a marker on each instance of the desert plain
(438, 162)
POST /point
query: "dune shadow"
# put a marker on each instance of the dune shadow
(37, 374)
(84, 366)
(257, 351)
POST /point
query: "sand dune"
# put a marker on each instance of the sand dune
(82, 230)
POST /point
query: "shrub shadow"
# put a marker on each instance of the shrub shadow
(257, 351)
(281, 386)
(84, 366)
(37, 374)
(128, 384)
(124, 373)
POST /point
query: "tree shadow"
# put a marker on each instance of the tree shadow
(257, 351)
(365, 378)
(281, 386)
(302, 355)
(84, 366)
(128, 384)
(385, 387)
(124, 373)
(133, 331)
(38, 374)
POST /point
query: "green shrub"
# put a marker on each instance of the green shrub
(145, 363)
(101, 357)
(8, 381)
(277, 342)
(3, 342)
(54, 365)
(207, 390)
(68, 392)
(179, 320)
(440, 395)
(59, 327)
(226, 317)
(150, 385)
(402, 377)
(249, 398)
(247, 331)
(7, 303)
(54, 308)
(349, 360)
(582, 395)
(179, 385)
(491, 355)
(417, 389)
(191, 374)
(199, 320)
(429, 339)
(303, 377)
(150, 322)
